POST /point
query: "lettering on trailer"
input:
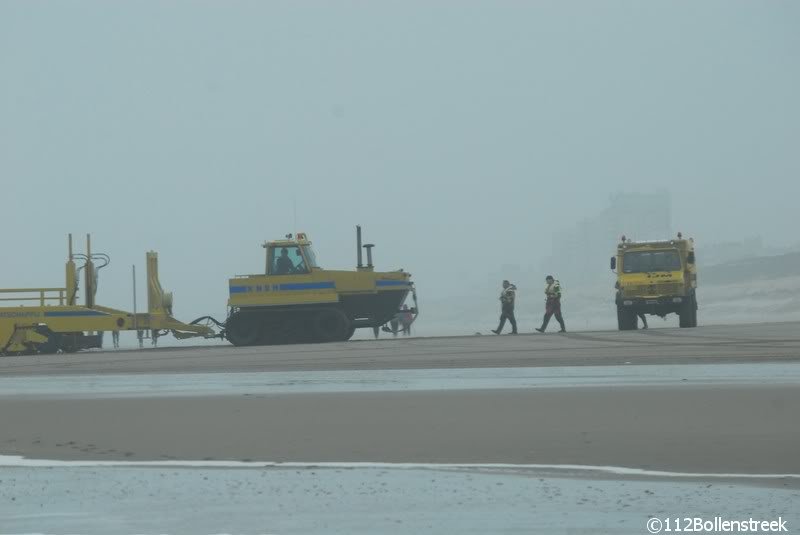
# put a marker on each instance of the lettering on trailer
(20, 314)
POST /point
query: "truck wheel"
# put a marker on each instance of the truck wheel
(242, 329)
(331, 325)
(626, 319)
(687, 315)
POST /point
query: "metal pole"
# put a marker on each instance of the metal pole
(89, 273)
(135, 316)
(135, 320)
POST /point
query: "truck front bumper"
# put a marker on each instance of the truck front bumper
(659, 306)
(644, 301)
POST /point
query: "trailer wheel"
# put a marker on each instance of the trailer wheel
(53, 341)
(331, 325)
(70, 342)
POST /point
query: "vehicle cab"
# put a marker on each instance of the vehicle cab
(292, 256)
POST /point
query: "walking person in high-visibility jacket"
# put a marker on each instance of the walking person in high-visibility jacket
(552, 305)
(507, 298)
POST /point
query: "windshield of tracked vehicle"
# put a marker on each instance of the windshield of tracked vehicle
(286, 260)
(647, 261)
(310, 256)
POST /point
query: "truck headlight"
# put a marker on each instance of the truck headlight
(628, 303)
(677, 300)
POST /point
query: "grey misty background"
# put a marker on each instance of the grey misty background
(474, 141)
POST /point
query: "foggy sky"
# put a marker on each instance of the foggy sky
(460, 135)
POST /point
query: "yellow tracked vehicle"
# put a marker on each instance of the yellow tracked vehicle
(295, 300)
(55, 322)
(655, 277)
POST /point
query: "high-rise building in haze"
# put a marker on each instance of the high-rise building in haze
(581, 253)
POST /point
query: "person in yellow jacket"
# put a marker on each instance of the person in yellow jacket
(552, 306)
(507, 298)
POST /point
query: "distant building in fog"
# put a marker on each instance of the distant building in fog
(580, 254)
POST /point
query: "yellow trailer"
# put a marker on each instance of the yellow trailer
(50, 320)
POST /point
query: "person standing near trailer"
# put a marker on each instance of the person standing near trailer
(406, 319)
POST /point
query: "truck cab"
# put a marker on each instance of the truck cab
(655, 277)
(290, 257)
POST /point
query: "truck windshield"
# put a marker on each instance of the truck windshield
(310, 256)
(647, 261)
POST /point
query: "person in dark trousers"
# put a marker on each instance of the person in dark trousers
(552, 305)
(394, 325)
(507, 297)
(406, 319)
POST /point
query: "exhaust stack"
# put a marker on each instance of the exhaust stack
(369, 247)
(358, 247)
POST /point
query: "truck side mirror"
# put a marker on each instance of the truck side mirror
(690, 258)
(613, 263)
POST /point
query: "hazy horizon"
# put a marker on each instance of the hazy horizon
(460, 135)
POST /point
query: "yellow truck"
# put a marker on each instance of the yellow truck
(51, 320)
(296, 300)
(655, 277)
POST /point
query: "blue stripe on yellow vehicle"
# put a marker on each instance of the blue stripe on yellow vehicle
(287, 286)
(73, 313)
(307, 285)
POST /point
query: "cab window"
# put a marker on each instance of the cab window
(310, 256)
(286, 260)
(650, 261)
